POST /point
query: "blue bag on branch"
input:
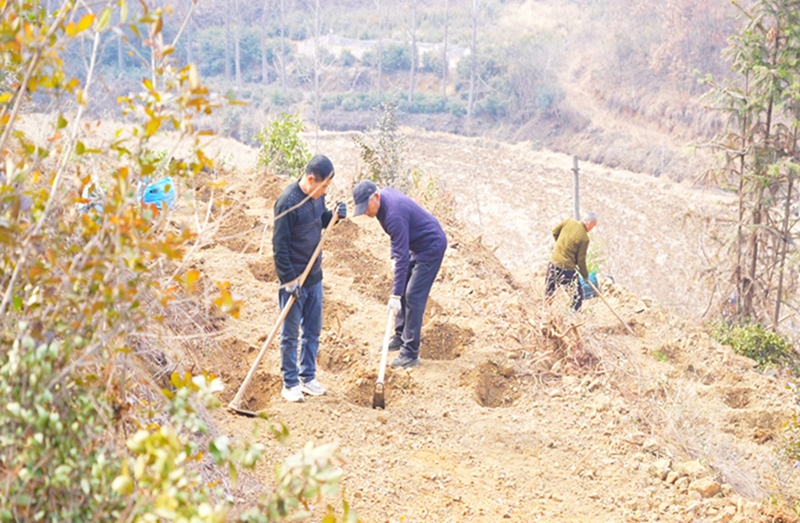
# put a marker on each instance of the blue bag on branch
(161, 194)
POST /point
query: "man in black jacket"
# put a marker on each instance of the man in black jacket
(301, 216)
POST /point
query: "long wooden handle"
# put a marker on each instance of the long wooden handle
(610, 307)
(284, 313)
(385, 349)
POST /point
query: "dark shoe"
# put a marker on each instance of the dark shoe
(395, 343)
(404, 361)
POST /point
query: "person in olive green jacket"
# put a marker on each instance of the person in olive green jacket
(569, 254)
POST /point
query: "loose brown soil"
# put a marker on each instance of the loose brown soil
(520, 411)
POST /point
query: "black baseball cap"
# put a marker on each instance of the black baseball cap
(361, 194)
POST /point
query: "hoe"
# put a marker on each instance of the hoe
(378, 401)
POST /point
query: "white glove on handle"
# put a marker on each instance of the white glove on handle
(394, 304)
(293, 288)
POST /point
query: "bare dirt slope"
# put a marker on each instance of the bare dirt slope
(651, 232)
(518, 412)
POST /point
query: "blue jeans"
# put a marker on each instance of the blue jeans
(408, 324)
(306, 313)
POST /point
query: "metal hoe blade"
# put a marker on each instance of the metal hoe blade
(378, 401)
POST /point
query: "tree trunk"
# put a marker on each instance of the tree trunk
(758, 212)
(317, 69)
(120, 46)
(445, 65)
(264, 61)
(190, 36)
(380, 49)
(785, 232)
(283, 46)
(413, 49)
(473, 62)
(236, 42)
(739, 232)
(227, 43)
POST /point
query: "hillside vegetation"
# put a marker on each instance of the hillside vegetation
(611, 83)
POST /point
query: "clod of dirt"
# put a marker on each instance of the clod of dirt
(370, 279)
(263, 271)
(336, 360)
(492, 388)
(362, 390)
(237, 231)
(334, 313)
(346, 233)
(737, 398)
(444, 341)
(262, 391)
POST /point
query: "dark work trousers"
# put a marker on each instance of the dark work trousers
(558, 277)
(408, 324)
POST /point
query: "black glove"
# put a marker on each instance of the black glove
(341, 210)
(293, 289)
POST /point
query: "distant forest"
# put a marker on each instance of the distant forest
(522, 68)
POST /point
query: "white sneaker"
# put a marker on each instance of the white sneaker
(293, 394)
(312, 387)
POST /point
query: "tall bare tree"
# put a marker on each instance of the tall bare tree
(237, 37)
(413, 50)
(263, 34)
(473, 57)
(445, 65)
(283, 45)
(317, 67)
(762, 153)
(120, 42)
(190, 35)
(227, 41)
(379, 8)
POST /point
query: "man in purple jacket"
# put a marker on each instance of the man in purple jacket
(418, 245)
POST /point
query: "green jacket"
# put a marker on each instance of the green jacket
(572, 242)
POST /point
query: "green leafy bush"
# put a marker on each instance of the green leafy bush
(596, 256)
(424, 103)
(382, 150)
(347, 58)
(282, 149)
(396, 57)
(432, 62)
(768, 348)
(359, 101)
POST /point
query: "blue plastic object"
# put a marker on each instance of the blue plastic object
(160, 194)
(588, 292)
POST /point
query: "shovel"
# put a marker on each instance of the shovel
(378, 401)
(234, 405)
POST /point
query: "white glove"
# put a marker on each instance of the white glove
(293, 288)
(394, 304)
